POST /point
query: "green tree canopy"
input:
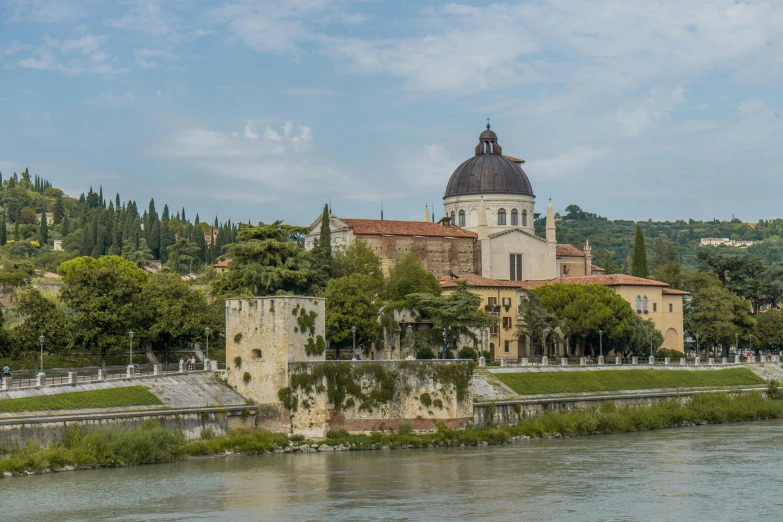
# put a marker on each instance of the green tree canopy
(639, 264)
(359, 259)
(538, 323)
(41, 317)
(769, 329)
(352, 301)
(408, 276)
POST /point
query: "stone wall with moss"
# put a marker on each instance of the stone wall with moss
(362, 396)
(263, 336)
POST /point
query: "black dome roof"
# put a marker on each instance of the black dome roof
(488, 172)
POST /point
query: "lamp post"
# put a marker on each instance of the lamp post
(130, 338)
(736, 343)
(750, 343)
(353, 333)
(601, 342)
(206, 331)
(41, 340)
(651, 354)
(444, 342)
(697, 345)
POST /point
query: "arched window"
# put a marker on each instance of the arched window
(462, 218)
(644, 303)
(256, 354)
(514, 217)
(638, 303)
(452, 217)
(501, 217)
(524, 218)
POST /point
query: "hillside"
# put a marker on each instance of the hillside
(617, 236)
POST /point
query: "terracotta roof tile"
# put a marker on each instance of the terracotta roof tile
(674, 291)
(566, 250)
(368, 227)
(486, 282)
(597, 269)
(222, 264)
(610, 280)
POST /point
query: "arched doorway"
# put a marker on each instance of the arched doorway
(672, 339)
(491, 351)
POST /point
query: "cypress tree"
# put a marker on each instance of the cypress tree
(325, 236)
(3, 237)
(639, 264)
(59, 211)
(155, 239)
(65, 227)
(16, 228)
(44, 228)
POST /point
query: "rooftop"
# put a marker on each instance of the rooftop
(404, 228)
(611, 280)
(483, 282)
(566, 250)
(222, 264)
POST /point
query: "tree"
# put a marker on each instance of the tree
(538, 323)
(352, 301)
(27, 216)
(574, 212)
(179, 313)
(139, 255)
(586, 309)
(182, 256)
(608, 264)
(106, 295)
(408, 276)
(3, 231)
(716, 315)
(44, 230)
(321, 253)
(638, 338)
(639, 265)
(41, 317)
(663, 252)
(266, 260)
(358, 259)
(59, 211)
(457, 312)
(769, 329)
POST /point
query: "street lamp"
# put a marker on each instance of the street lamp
(697, 345)
(206, 331)
(736, 343)
(601, 342)
(444, 342)
(353, 333)
(130, 339)
(750, 343)
(41, 339)
(651, 354)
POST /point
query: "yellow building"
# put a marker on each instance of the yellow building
(650, 299)
(221, 266)
(499, 298)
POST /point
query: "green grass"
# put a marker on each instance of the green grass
(110, 398)
(528, 383)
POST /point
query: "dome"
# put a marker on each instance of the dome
(488, 172)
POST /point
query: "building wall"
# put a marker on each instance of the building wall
(264, 333)
(670, 324)
(493, 203)
(539, 262)
(576, 267)
(437, 254)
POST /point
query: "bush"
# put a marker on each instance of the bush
(404, 428)
(666, 352)
(337, 434)
(773, 391)
(297, 437)
(246, 378)
(468, 353)
(425, 353)
(425, 399)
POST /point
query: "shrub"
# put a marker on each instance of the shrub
(238, 338)
(238, 362)
(425, 353)
(337, 434)
(468, 353)
(666, 352)
(405, 428)
(773, 391)
(246, 378)
(425, 399)
(297, 437)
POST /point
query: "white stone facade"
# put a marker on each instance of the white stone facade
(524, 206)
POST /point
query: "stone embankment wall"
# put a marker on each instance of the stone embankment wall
(510, 412)
(275, 351)
(363, 396)
(44, 430)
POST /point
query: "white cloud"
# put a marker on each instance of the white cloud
(276, 163)
(565, 165)
(427, 169)
(63, 56)
(150, 58)
(751, 106)
(15, 48)
(145, 16)
(45, 11)
(109, 98)
(655, 107)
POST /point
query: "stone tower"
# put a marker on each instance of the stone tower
(266, 334)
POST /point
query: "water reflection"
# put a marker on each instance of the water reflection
(697, 473)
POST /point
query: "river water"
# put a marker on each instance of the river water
(727, 472)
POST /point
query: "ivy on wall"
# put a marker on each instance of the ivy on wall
(315, 345)
(372, 385)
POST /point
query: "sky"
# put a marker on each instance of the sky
(263, 110)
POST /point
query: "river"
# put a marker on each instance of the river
(725, 472)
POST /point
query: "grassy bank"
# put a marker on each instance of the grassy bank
(529, 383)
(152, 444)
(110, 398)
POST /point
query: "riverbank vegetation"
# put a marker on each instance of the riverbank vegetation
(152, 444)
(614, 380)
(109, 398)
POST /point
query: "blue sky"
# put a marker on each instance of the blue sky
(263, 110)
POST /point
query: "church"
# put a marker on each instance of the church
(488, 229)
(487, 238)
